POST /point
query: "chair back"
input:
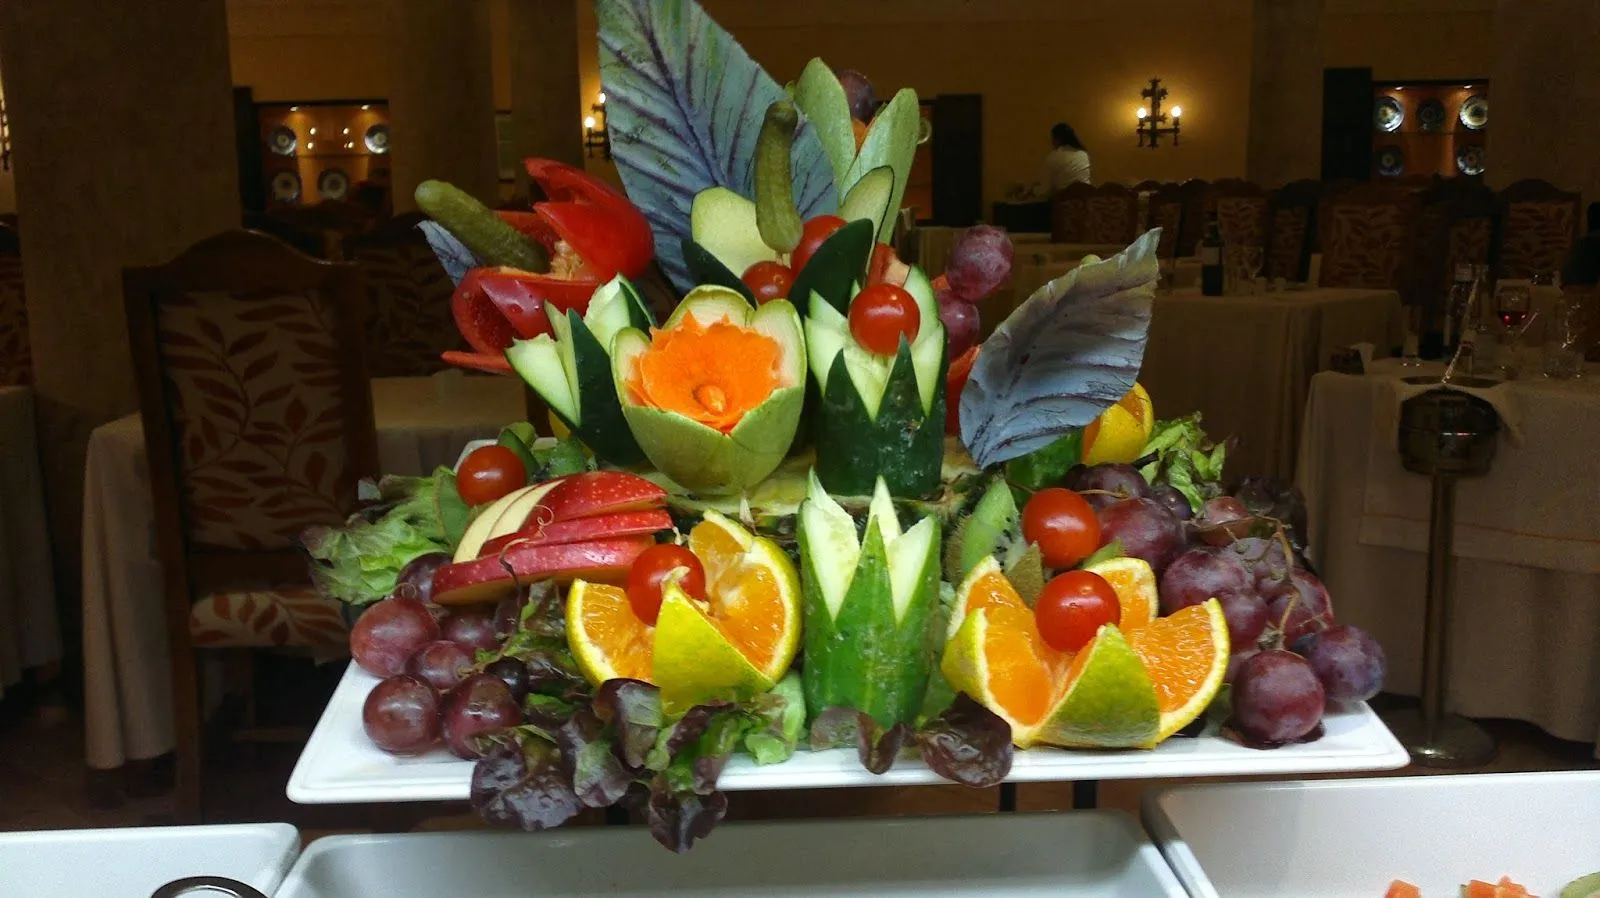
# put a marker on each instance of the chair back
(1242, 213)
(1166, 213)
(1069, 213)
(1366, 235)
(1291, 229)
(1455, 225)
(409, 320)
(1197, 205)
(256, 405)
(1538, 224)
(16, 354)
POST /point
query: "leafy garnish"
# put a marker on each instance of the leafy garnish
(523, 783)
(843, 727)
(967, 744)
(1065, 355)
(1185, 459)
(359, 562)
(633, 709)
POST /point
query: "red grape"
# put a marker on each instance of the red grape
(515, 675)
(1121, 481)
(1222, 510)
(1277, 698)
(1265, 559)
(1202, 573)
(387, 634)
(474, 628)
(1349, 662)
(482, 704)
(441, 664)
(858, 93)
(401, 715)
(1300, 606)
(961, 324)
(416, 578)
(979, 262)
(1246, 613)
(1146, 530)
(1172, 500)
(1236, 660)
(1062, 525)
(1072, 607)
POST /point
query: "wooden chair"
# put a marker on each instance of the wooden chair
(258, 423)
(16, 355)
(1242, 213)
(1366, 234)
(1166, 213)
(409, 320)
(1197, 206)
(1455, 226)
(1069, 213)
(1537, 227)
(1291, 229)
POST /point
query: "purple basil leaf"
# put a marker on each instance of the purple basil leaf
(453, 254)
(879, 754)
(968, 744)
(524, 786)
(838, 727)
(633, 709)
(598, 777)
(677, 819)
(1064, 356)
(684, 103)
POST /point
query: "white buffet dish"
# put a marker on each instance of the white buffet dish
(341, 766)
(134, 862)
(1351, 838)
(1097, 853)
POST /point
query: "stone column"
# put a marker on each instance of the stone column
(122, 129)
(1285, 142)
(546, 110)
(1543, 93)
(441, 97)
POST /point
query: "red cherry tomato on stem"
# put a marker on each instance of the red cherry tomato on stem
(880, 315)
(816, 231)
(652, 567)
(1063, 524)
(489, 472)
(768, 280)
(1072, 608)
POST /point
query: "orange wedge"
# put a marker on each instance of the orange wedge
(1135, 585)
(1186, 656)
(608, 640)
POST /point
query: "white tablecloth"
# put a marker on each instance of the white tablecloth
(30, 632)
(422, 423)
(1526, 618)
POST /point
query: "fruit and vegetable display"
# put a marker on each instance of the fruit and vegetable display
(802, 507)
(1582, 887)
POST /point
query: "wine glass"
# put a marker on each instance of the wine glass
(1511, 305)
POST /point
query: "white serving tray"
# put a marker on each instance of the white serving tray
(341, 766)
(1096, 853)
(134, 862)
(1351, 838)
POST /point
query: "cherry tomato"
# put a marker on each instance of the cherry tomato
(488, 473)
(1063, 524)
(768, 280)
(1072, 607)
(812, 236)
(651, 567)
(880, 315)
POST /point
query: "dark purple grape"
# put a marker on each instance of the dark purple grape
(401, 715)
(1222, 510)
(1277, 698)
(482, 704)
(441, 664)
(515, 675)
(961, 324)
(1145, 529)
(1246, 613)
(473, 627)
(1121, 481)
(416, 578)
(1202, 573)
(1349, 662)
(858, 93)
(1265, 559)
(1172, 500)
(1236, 660)
(387, 634)
(1299, 606)
(979, 262)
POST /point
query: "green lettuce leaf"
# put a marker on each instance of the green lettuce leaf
(359, 562)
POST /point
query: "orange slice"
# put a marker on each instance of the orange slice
(1135, 585)
(608, 640)
(754, 592)
(986, 585)
(1186, 656)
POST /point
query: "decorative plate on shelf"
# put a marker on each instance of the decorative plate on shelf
(1469, 160)
(282, 140)
(1391, 161)
(1388, 114)
(1475, 112)
(377, 139)
(286, 187)
(333, 184)
(1431, 115)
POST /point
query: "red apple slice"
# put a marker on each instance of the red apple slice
(606, 526)
(497, 576)
(601, 492)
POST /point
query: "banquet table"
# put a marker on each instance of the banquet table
(30, 631)
(1246, 362)
(1526, 612)
(421, 422)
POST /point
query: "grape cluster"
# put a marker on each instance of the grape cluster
(979, 262)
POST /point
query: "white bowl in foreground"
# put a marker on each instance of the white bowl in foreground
(134, 862)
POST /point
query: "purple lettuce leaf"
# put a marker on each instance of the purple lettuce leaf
(968, 744)
(523, 784)
(633, 709)
(876, 747)
(678, 818)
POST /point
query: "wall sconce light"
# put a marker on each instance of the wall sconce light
(595, 135)
(1150, 119)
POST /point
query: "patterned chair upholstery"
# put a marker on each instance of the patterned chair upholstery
(1112, 215)
(16, 354)
(1454, 226)
(1198, 203)
(1366, 237)
(1069, 214)
(1242, 214)
(409, 321)
(1291, 229)
(1166, 213)
(1538, 224)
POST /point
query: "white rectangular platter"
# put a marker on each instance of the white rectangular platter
(134, 862)
(1096, 853)
(341, 766)
(1351, 838)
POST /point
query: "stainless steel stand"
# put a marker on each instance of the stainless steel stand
(1448, 435)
